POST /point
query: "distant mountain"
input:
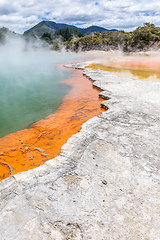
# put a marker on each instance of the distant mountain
(49, 26)
(89, 30)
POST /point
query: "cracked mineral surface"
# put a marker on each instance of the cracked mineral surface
(105, 182)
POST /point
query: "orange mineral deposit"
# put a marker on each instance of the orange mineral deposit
(32, 147)
(138, 68)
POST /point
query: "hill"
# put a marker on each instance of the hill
(142, 38)
(49, 26)
(6, 34)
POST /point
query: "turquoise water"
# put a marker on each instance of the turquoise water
(30, 87)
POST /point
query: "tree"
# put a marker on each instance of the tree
(68, 33)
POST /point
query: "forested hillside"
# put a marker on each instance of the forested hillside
(141, 39)
(5, 32)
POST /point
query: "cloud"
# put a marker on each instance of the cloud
(5, 10)
(20, 15)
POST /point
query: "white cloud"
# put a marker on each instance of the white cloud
(19, 15)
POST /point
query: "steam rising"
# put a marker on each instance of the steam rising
(29, 83)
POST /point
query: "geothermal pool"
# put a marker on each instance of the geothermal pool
(35, 96)
(30, 87)
(134, 66)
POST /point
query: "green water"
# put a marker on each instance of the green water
(30, 88)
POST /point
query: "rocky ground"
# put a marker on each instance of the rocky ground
(104, 184)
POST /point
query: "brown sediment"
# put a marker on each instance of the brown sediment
(32, 147)
(138, 68)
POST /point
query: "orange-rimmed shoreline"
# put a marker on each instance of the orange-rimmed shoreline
(29, 148)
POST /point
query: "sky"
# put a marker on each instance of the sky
(20, 15)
